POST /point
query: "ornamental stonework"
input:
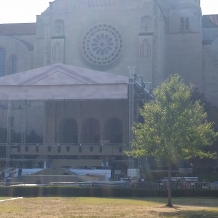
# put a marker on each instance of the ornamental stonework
(101, 46)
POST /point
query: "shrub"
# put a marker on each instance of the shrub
(25, 191)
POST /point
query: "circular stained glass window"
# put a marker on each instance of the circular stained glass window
(102, 46)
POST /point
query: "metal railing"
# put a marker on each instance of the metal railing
(141, 185)
(67, 144)
(8, 183)
(119, 184)
(175, 185)
(92, 184)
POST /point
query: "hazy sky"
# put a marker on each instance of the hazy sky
(24, 11)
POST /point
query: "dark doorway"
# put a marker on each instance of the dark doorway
(91, 131)
(114, 131)
(68, 131)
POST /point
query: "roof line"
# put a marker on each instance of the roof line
(17, 23)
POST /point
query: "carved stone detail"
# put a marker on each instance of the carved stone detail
(47, 45)
(145, 49)
(101, 46)
(101, 3)
(56, 52)
(146, 23)
(59, 27)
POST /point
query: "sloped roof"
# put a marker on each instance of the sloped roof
(61, 74)
(61, 81)
(18, 29)
(210, 21)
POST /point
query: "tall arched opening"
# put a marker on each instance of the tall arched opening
(90, 131)
(68, 131)
(114, 130)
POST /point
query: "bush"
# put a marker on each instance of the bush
(99, 192)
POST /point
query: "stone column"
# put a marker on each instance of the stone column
(50, 124)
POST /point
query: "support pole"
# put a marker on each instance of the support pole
(131, 110)
(23, 122)
(8, 146)
(145, 95)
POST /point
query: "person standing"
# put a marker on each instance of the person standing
(19, 173)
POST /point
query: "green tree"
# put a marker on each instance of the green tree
(209, 108)
(212, 116)
(32, 137)
(174, 127)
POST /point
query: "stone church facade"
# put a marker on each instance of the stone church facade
(158, 37)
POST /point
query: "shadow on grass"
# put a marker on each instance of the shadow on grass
(188, 214)
(183, 201)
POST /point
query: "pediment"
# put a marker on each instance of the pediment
(60, 74)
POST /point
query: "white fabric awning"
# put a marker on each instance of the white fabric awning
(59, 81)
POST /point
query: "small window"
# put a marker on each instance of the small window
(182, 24)
(2, 62)
(187, 23)
(13, 64)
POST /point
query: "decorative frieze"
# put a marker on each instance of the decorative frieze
(58, 29)
(146, 23)
(101, 3)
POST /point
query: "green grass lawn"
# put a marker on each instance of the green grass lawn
(109, 207)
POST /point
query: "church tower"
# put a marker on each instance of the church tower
(184, 41)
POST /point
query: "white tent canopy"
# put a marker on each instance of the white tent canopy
(61, 81)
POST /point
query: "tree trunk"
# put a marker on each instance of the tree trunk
(169, 204)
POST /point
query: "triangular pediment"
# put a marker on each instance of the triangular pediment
(60, 74)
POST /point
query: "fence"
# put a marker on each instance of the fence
(175, 185)
(8, 183)
(119, 184)
(141, 185)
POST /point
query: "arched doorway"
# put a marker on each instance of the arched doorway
(68, 131)
(90, 131)
(114, 131)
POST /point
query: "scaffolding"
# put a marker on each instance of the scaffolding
(9, 123)
(139, 91)
(131, 110)
(23, 122)
(8, 146)
(143, 93)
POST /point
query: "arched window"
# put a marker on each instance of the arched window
(182, 23)
(90, 131)
(2, 62)
(145, 49)
(57, 52)
(114, 130)
(13, 64)
(187, 23)
(68, 131)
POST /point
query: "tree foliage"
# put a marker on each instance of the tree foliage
(32, 137)
(209, 108)
(174, 126)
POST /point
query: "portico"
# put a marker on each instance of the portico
(85, 114)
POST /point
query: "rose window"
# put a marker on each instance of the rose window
(101, 46)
